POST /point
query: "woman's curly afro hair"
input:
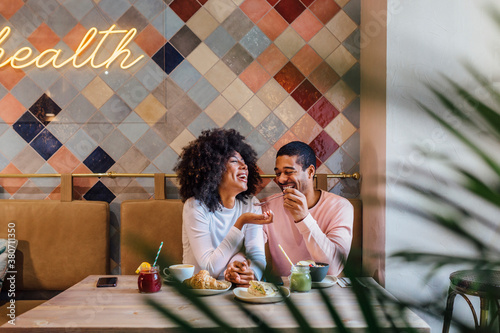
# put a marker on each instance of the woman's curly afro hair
(203, 162)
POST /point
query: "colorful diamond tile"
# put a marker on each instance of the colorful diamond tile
(133, 127)
(150, 8)
(237, 59)
(80, 109)
(28, 126)
(81, 144)
(79, 77)
(43, 8)
(324, 10)
(240, 124)
(63, 92)
(203, 93)
(220, 76)
(9, 76)
(116, 144)
(9, 8)
(307, 25)
(306, 60)
(150, 75)
(186, 110)
(324, 146)
(132, 18)
(341, 26)
(63, 161)
(43, 38)
(258, 143)
(272, 128)
(353, 9)
(151, 144)
(61, 21)
(11, 185)
(289, 111)
(220, 9)
(63, 127)
(185, 75)
(237, 93)
(306, 128)
(340, 161)
(132, 92)
(272, 94)
(133, 160)
(289, 9)
(181, 141)
(168, 58)
(185, 41)
(150, 110)
(202, 58)
(202, 24)
(341, 60)
(97, 92)
(114, 79)
(28, 160)
(220, 111)
(174, 93)
(201, 123)
(150, 40)
(166, 160)
(353, 78)
(99, 161)
(168, 131)
(98, 127)
(74, 37)
(289, 77)
(255, 76)
(255, 42)
(323, 112)
(96, 18)
(289, 42)
(78, 8)
(255, 9)
(324, 43)
(340, 129)
(237, 24)
(272, 24)
(10, 109)
(272, 59)
(44, 108)
(340, 95)
(323, 77)
(45, 144)
(255, 111)
(25, 21)
(99, 192)
(114, 8)
(185, 9)
(220, 41)
(167, 23)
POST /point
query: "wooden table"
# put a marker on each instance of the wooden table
(85, 308)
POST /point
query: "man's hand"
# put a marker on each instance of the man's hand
(296, 204)
(239, 273)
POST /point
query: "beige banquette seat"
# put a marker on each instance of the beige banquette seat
(154, 221)
(59, 244)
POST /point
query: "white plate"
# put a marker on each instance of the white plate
(207, 292)
(328, 281)
(243, 295)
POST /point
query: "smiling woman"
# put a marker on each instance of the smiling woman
(218, 176)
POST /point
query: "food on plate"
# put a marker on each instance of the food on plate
(259, 288)
(310, 263)
(203, 280)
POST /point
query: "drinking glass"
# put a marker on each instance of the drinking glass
(149, 280)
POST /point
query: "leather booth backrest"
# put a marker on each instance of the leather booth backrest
(154, 221)
(59, 243)
(150, 222)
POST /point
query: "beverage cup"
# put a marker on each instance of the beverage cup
(181, 271)
(149, 280)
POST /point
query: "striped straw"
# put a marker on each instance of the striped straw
(157, 255)
(291, 263)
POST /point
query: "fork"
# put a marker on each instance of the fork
(272, 197)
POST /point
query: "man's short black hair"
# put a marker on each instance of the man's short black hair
(306, 156)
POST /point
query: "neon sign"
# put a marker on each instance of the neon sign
(21, 57)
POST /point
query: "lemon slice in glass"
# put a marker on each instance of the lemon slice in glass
(145, 266)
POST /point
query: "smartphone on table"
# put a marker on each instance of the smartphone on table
(107, 282)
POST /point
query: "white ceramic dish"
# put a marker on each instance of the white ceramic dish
(243, 295)
(208, 292)
(328, 281)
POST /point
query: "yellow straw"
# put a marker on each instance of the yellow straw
(291, 263)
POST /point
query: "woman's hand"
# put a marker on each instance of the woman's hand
(239, 272)
(252, 218)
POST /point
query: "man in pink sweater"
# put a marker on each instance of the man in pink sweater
(309, 224)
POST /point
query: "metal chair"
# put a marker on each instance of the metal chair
(484, 284)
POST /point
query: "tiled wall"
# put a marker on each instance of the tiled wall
(276, 70)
